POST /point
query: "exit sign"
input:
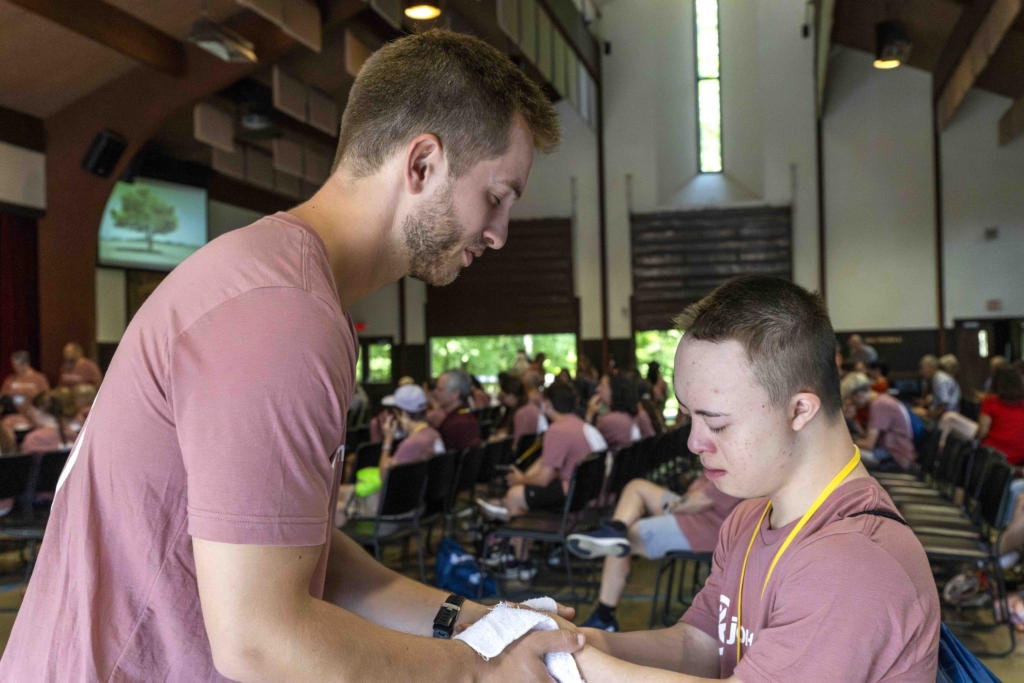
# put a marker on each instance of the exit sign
(994, 305)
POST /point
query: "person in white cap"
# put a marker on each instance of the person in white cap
(422, 443)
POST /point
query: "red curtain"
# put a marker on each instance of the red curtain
(19, 288)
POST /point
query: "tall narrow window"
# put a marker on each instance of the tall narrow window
(709, 91)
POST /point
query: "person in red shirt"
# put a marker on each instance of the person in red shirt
(809, 581)
(1001, 423)
(78, 369)
(25, 381)
(460, 429)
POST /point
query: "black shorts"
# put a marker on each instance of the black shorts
(550, 497)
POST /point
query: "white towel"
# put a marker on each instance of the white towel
(505, 623)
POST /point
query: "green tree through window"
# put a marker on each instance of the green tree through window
(486, 356)
(659, 345)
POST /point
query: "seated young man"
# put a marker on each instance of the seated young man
(888, 441)
(567, 442)
(650, 521)
(422, 443)
(809, 581)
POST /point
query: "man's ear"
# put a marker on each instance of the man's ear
(802, 409)
(424, 164)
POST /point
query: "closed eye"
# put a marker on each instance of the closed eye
(719, 430)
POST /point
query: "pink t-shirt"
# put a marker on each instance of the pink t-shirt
(701, 529)
(29, 386)
(643, 423)
(419, 446)
(567, 443)
(186, 440)
(894, 435)
(527, 420)
(84, 372)
(852, 599)
(619, 429)
(41, 440)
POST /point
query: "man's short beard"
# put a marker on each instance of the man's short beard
(431, 236)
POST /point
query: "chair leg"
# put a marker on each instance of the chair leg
(657, 589)
(419, 549)
(568, 570)
(668, 590)
(1004, 605)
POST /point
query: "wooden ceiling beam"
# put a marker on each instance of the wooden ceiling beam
(824, 21)
(975, 38)
(1012, 123)
(115, 29)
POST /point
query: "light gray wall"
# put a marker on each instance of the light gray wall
(22, 176)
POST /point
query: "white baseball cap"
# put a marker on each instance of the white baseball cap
(409, 398)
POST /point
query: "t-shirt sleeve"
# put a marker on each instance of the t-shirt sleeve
(259, 388)
(988, 406)
(826, 606)
(555, 450)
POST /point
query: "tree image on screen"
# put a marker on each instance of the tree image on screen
(143, 211)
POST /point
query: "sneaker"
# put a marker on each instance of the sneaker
(493, 510)
(493, 560)
(961, 588)
(527, 570)
(602, 542)
(595, 621)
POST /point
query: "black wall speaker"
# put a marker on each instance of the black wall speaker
(104, 152)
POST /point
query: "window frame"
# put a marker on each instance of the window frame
(696, 89)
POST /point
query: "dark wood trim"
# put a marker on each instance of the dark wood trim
(940, 285)
(225, 189)
(19, 210)
(402, 348)
(602, 224)
(114, 28)
(975, 38)
(22, 130)
(567, 20)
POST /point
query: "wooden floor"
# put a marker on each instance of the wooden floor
(633, 614)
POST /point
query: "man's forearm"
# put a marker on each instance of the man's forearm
(598, 667)
(681, 649)
(358, 583)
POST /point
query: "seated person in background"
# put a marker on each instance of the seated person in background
(422, 443)
(613, 410)
(78, 369)
(650, 521)
(510, 397)
(376, 434)
(586, 379)
(888, 444)
(25, 381)
(994, 363)
(879, 382)
(1001, 424)
(567, 442)
(861, 351)
(845, 595)
(478, 396)
(16, 412)
(944, 394)
(522, 416)
(48, 414)
(659, 387)
(460, 429)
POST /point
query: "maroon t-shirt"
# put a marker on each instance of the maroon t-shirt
(220, 418)
(852, 599)
(1007, 432)
(619, 429)
(460, 429)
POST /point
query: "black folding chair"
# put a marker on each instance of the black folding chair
(437, 498)
(16, 473)
(398, 514)
(466, 474)
(585, 486)
(675, 563)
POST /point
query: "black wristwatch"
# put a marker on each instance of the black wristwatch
(444, 622)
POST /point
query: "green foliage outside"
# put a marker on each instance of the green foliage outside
(659, 345)
(486, 356)
(380, 363)
(142, 211)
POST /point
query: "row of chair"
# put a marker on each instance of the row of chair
(956, 504)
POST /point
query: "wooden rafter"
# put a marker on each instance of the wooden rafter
(825, 20)
(974, 40)
(114, 28)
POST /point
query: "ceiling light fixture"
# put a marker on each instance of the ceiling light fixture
(423, 12)
(892, 46)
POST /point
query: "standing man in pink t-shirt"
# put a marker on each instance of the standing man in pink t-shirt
(191, 536)
(845, 596)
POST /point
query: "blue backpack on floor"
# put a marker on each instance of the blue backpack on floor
(458, 572)
(957, 664)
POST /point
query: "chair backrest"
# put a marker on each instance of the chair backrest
(587, 479)
(485, 429)
(929, 454)
(15, 472)
(949, 458)
(525, 441)
(50, 467)
(354, 438)
(368, 455)
(495, 453)
(403, 489)
(467, 472)
(995, 494)
(440, 481)
(623, 470)
(982, 460)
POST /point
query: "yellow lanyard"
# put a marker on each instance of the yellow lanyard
(822, 497)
